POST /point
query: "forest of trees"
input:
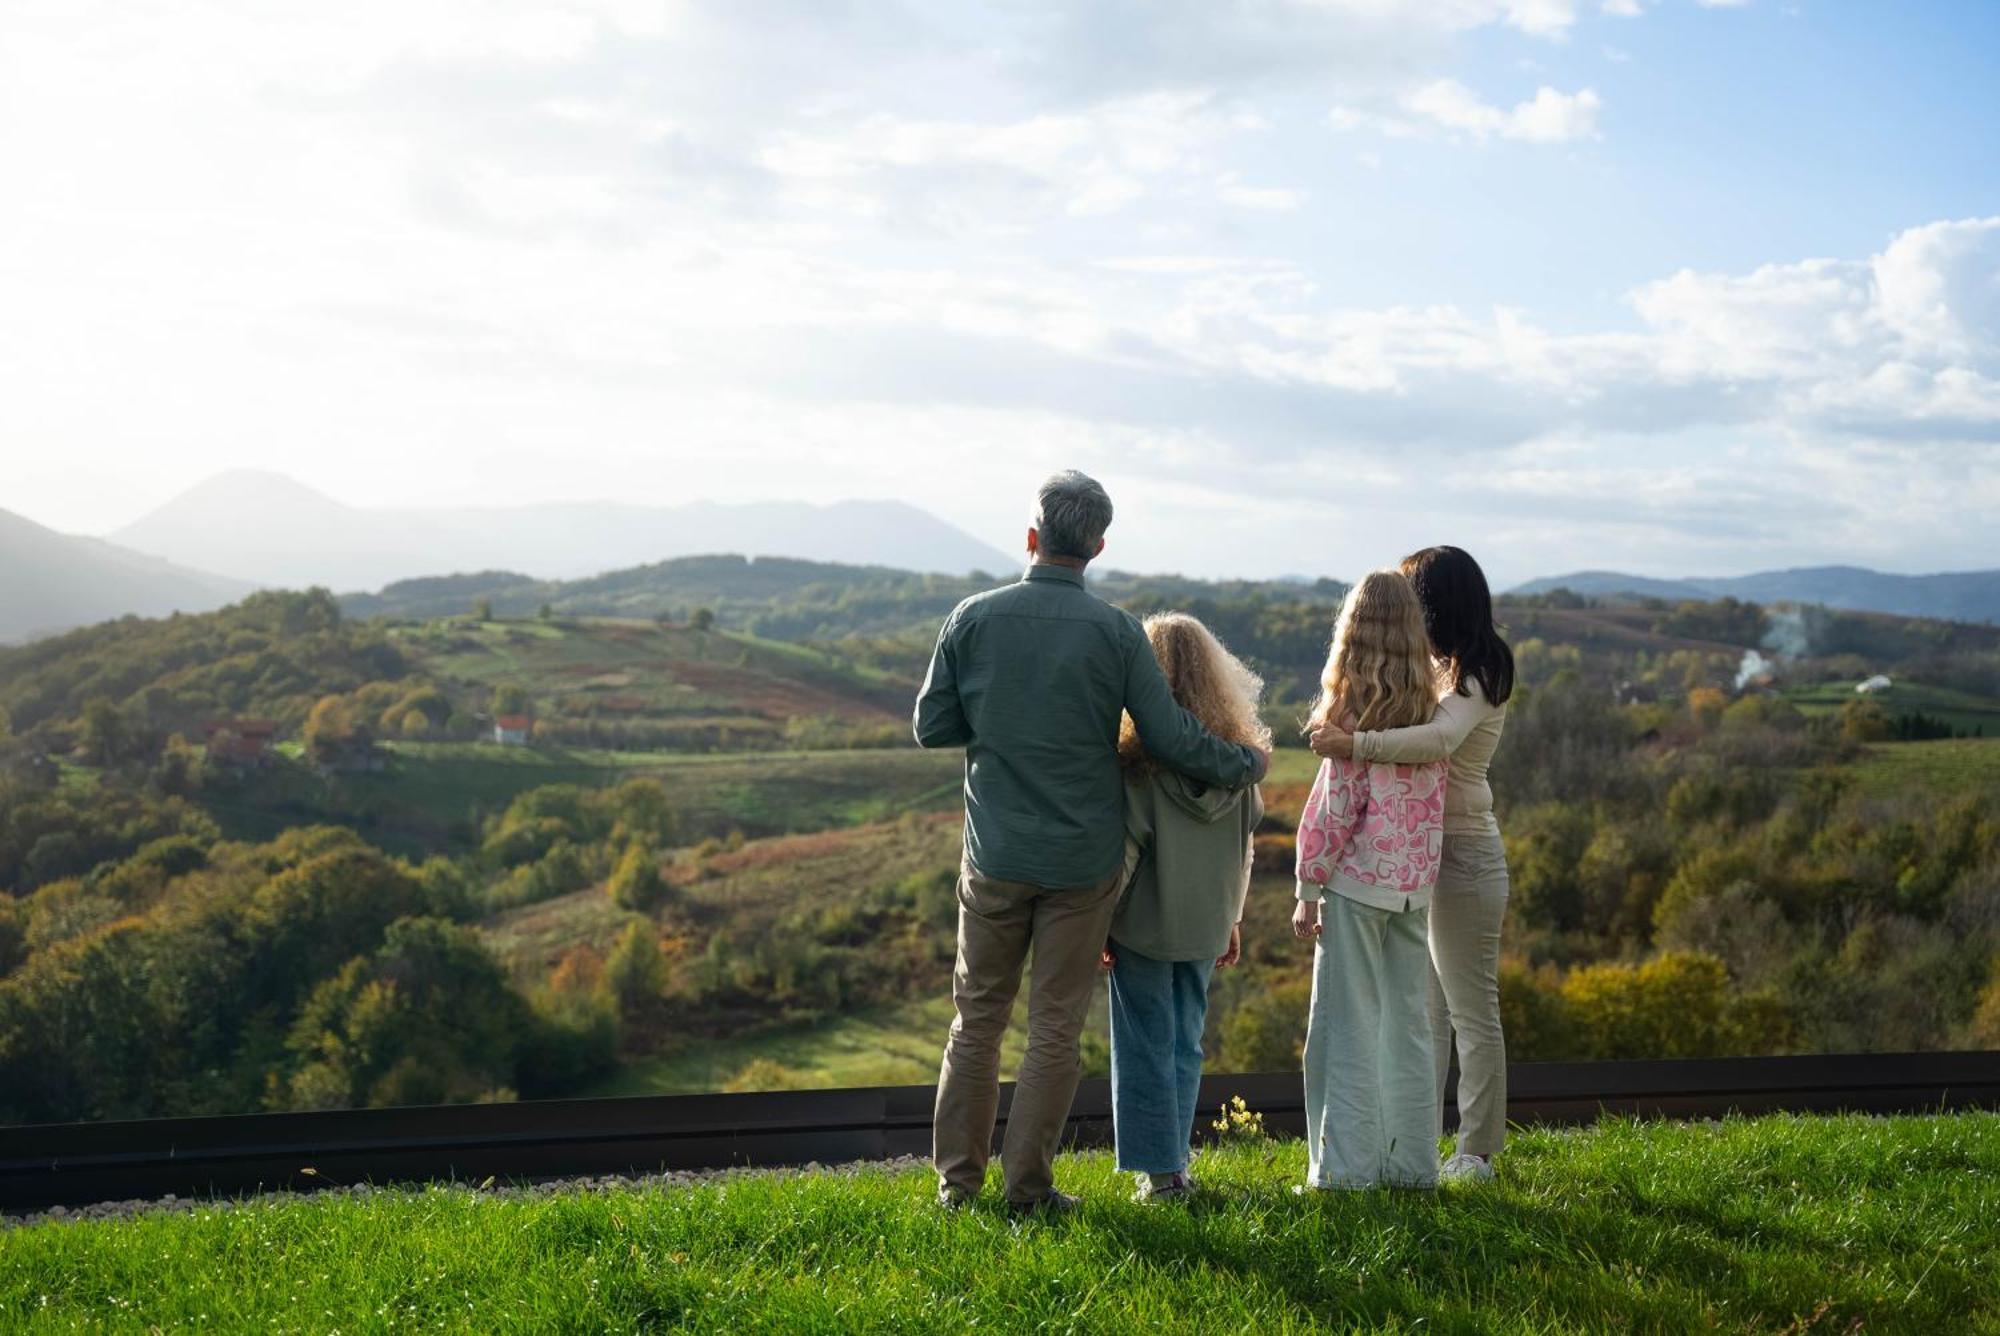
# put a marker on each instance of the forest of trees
(311, 971)
(1696, 871)
(1687, 883)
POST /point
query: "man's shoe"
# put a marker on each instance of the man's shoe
(1466, 1169)
(1048, 1207)
(951, 1198)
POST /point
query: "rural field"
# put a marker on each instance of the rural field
(1777, 1224)
(302, 858)
(1945, 768)
(1961, 711)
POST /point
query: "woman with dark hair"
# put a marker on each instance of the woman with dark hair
(1475, 680)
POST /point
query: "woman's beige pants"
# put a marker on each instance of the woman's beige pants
(1466, 912)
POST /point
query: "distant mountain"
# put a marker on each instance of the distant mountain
(269, 528)
(1613, 584)
(52, 581)
(1961, 596)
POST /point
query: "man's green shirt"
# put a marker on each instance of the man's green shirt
(1031, 679)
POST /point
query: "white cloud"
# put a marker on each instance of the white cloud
(1112, 47)
(1547, 118)
(1905, 343)
(454, 252)
(1446, 105)
(1270, 199)
(1542, 18)
(1092, 161)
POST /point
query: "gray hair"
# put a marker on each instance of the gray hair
(1072, 511)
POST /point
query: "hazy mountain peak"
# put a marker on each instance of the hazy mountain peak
(273, 529)
(1967, 596)
(56, 581)
(259, 487)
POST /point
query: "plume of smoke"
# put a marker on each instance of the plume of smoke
(1754, 666)
(1787, 637)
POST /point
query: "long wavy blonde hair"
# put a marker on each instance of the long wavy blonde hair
(1379, 670)
(1210, 683)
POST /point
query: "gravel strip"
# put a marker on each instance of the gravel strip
(491, 1189)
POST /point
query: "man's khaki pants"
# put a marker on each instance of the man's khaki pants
(998, 922)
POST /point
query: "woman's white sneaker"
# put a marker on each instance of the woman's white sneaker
(1466, 1169)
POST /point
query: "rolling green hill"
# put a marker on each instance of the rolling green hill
(781, 598)
(586, 682)
(1962, 711)
(642, 683)
(274, 654)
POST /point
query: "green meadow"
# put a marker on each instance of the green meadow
(1785, 1224)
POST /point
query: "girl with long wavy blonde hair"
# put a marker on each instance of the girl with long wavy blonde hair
(1368, 852)
(1379, 671)
(1187, 867)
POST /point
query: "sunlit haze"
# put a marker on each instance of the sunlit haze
(1670, 287)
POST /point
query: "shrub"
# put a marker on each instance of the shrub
(1677, 1005)
(636, 883)
(1864, 721)
(635, 975)
(1984, 1029)
(428, 1018)
(766, 1074)
(1266, 1032)
(1532, 1014)
(1545, 846)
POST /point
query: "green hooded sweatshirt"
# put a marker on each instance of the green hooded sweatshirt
(1187, 865)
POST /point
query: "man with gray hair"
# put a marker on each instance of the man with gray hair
(1031, 679)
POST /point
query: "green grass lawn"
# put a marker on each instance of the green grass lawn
(1962, 710)
(1781, 1224)
(1947, 767)
(759, 792)
(1292, 765)
(886, 1046)
(434, 794)
(641, 669)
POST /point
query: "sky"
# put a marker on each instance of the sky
(1657, 285)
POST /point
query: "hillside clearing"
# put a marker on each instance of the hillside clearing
(1947, 767)
(618, 671)
(1787, 1223)
(433, 795)
(1962, 711)
(885, 1046)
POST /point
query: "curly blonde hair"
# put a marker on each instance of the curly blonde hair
(1210, 683)
(1379, 671)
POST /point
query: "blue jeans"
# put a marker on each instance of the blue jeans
(1158, 1009)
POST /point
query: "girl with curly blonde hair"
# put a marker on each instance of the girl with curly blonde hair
(1368, 853)
(1187, 870)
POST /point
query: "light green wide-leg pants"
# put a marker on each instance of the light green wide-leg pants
(1371, 1092)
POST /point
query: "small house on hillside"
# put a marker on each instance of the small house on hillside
(1875, 684)
(241, 741)
(1636, 693)
(511, 730)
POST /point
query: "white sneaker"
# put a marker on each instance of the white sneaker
(1466, 1169)
(1164, 1187)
